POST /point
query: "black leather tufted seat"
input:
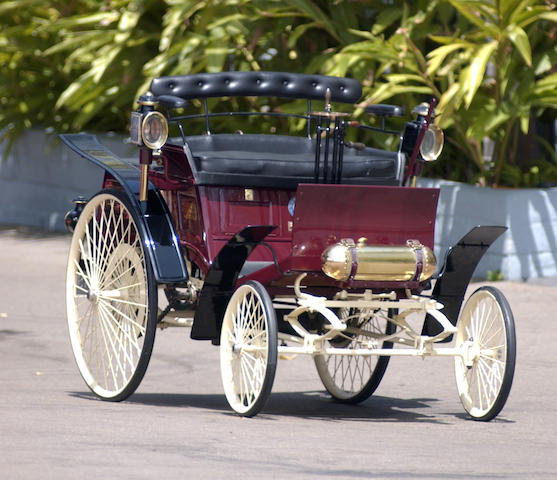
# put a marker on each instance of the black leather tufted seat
(272, 161)
(276, 161)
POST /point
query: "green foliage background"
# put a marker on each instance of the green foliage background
(77, 65)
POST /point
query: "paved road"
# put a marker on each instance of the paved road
(178, 424)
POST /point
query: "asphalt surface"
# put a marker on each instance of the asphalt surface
(178, 424)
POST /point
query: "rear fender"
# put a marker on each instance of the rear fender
(221, 279)
(460, 262)
(156, 227)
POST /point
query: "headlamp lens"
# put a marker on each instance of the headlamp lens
(154, 130)
(432, 143)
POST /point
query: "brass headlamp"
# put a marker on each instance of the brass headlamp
(148, 130)
(148, 127)
(433, 138)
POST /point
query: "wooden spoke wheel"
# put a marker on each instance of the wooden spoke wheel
(248, 349)
(486, 335)
(111, 297)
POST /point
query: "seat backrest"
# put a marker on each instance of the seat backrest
(257, 84)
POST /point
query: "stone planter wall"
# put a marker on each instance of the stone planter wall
(41, 176)
(527, 250)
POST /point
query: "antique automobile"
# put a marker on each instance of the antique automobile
(271, 245)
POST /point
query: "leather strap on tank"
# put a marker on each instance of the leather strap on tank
(418, 250)
(354, 265)
(351, 262)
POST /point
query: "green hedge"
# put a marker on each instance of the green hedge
(70, 66)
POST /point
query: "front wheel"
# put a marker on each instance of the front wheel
(485, 369)
(111, 297)
(248, 349)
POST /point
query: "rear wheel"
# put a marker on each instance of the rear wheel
(486, 336)
(248, 349)
(111, 297)
(352, 378)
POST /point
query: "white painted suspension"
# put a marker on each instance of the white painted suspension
(413, 342)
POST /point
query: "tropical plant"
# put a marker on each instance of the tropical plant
(491, 63)
(92, 59)
(493, 72)
(29, 82)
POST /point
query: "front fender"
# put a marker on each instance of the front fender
(220, 281)
(460, 262)
(155, 224)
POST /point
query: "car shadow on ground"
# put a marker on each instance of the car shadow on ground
(309, 405)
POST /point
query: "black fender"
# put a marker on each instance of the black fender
(220, 281)
(460, 262)
(155, 223)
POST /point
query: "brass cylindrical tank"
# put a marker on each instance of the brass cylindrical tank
(398, 263)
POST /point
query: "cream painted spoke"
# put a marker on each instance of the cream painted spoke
(118, 265)
(119, 348)
(117, 324)
(108, 333)
(491, 375)
(500, 332)
(247, 376)
(109, 278)
(92, 256)
(97, 232)
(86, 278)
(112, 244)
(128, 287)
(487, 324)
(257, 336)
(127, 317)
(89, 322)
(492, 359)
(77, 287)
(84, 257)
(125, 302)
(252, 359)
(108, 355)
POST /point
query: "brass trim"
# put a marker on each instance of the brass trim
(145, 102)
(143, 179)
(331, 115)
